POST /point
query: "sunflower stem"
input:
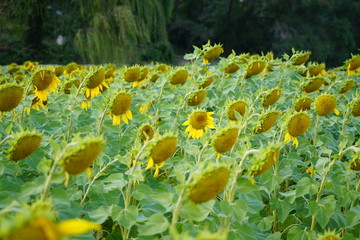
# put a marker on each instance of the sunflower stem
(49, 178)
(102, 119)
(162, 91)
(343, 127)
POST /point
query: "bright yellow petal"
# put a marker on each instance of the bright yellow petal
(336, 111)
(124, 118)
(218, 155)
(188, 129)
(162, 164)
(187, 122)
(156, 170)
(205, 61)
(88, 172)
(88, 93)
(129, 114)
(67, 178)
(116, 119)
(77, 226)
(150, 163)
(295, 142)
(27, 110)
(105, 84)
(287, 137)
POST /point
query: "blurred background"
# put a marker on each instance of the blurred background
(140, 31)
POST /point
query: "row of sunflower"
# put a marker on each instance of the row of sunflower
(215, 131)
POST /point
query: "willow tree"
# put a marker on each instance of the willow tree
(121, 31)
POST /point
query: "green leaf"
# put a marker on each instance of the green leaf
(99, 215)
(298, 234)
(303, 186)
(114, 181)
(157, 223)
(125, 217)
(197, 212)
(353, 217)
(324, 210)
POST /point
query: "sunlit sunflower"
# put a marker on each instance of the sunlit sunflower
(59, 70)
(264, 160)
(23, 145)
(303, 104)
(120, 108)
(199, 121)
(355, 107)
(271, 97)
(44, 80)
(347, 86)
(315, 70)
(326, 104)
(207, 81)
(161, 68)
(209, 184)
(95, 83)
(10, 97)
(142, 78)
(231, 68)
(236, 107)
(178, 76)
(300, 58)
(80, 154)
(353, 65)
(211, 52)
(196, 98)
(329, 235)
(297, 125)
(313, 84)
(69, 68)
(160, 151)
(266, 121)
(224, 140)
(255, 67)
(146, 132)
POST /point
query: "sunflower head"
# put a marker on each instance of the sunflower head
(209, 183)
(71, 67)
(225, 139)
(207, 81)
(196, 98)
(163, 148)
(10, 97)
(96, 78)
(211, 52)
(315, 69)
(199, 121)
(59, 70)
(121, 103)
(325, 104)
(355, 107)
(266, 121)
(264, 160)
(303, 104)
(271, 97)
(146, 132)
(154, 77)
(347, 86)
(24, 144)
(353, 65)
(300, 58)
(237, 106)
(161, 68)
(255, 67)
(355, 162)
(178, 76)
(298, 123)
(329, 235)
(81, 153)
(44, 79)
(132, 74)
(231, 68)
(313, 84)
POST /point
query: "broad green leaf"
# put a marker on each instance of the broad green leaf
(125, 217)
(197, 212)
(324, 210)
(157, 223)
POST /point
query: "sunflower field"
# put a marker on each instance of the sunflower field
(248, 147)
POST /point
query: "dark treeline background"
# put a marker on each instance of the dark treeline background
(134, 31)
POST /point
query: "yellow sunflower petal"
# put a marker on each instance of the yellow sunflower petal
(88, 93)
(287, 137)
(77, 226)
(88, 172)
(129, 114)
(162, 164)
(187, 122)
(295, 142)
(156, 170)
(116, 119)
(124, 118)
(336, 111)
(150, 164)
(67, 178)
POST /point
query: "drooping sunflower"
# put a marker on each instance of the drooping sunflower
(24, 144)
(161, 68)
(297, 125)
(132, 74)
(10, 97)
(355, 107)
(225, 139)
(315, 69)
(237, 106)
(347, 86)
(95, 83)
(353, 65)
(146, 132)
(120, 108)
(313, 84)
(44, 80)
(59, 70)
(355, 162)
(211, 52)
(178, 76)
(266, 121)
(329, 235)
(255, 67)
(231, 68)
(207, 81)
(209, 184)
(300, 58)
(69, 68)
(142, 78)
(196, 98)
(264, 160)
(199, 121)
(271, 97)
(303, 104)
(160, 151)
(326, 104)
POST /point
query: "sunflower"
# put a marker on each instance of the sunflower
(178, 76)
(264, 160)
(10, 97)
(353, 65)
(24, 144)
(160, 151)
(231, 68)
(206, 82)
(44, 80)
(161, 68)
(225, 140)
(313, 84)
(297, 125)
(303, 104)
(355, 108)
(237, 106)
(266, 121)
(326, 104)
(209, 184)
(315, 70)
(255, 67)
(142, 78)
(71, 67)
(347, 86)
(211, 52)
(95, 83)
(300, 58)
(329, 235)
(196, 98)
(146, 132)
(59, 70)
(271, 97)
(199, 121)
(355, 162)
(121, 108)
(154, 77)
